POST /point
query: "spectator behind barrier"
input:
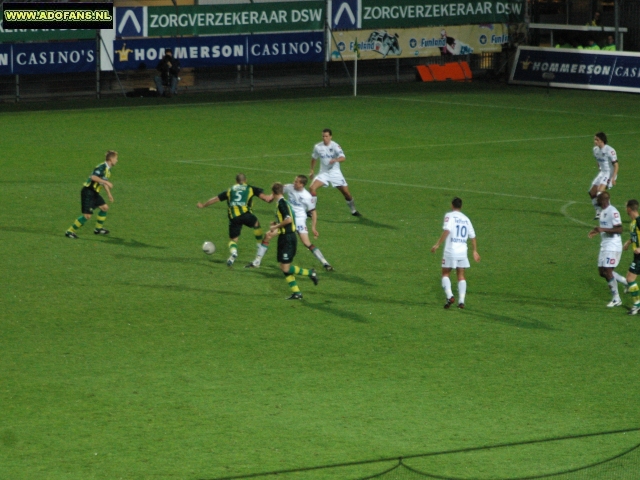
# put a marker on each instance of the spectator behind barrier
(169, 69)
(563, 43)
(591, 45)
(596, 21)
(610, 44)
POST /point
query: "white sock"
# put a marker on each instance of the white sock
(462, 290)
(352, 205)
(318, 254)
(594, 201)
(613, 286)
(262, 250)
(446, 286)
(620, 279)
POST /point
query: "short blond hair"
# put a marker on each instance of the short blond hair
(277, 188)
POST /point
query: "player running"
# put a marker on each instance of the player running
(330, 156)
(608, 164)
(91, 199)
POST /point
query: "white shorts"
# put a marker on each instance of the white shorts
(455, 262)
(333, 178)
(601, 179)
(609, 258)
(301, 225)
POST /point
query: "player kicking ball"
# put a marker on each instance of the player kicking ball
(303, 204)
(457, 230)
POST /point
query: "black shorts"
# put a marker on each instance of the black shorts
(235, 224)
(90, 199)
(635, 265)
(287, 244)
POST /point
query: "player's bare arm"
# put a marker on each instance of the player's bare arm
(615, 229)
(476, 255)
(443, 237)
(211, 201)
(625, 247)
(277, 226)
(107, 189)
(270, 234)
(337, 160)
(266, 198)
(615, 173)
(597, 230)
(313, 166)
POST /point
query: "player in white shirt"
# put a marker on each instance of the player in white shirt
(302, 203)
(608, 165)
(610, 231)
(457, 230)
(330, 156)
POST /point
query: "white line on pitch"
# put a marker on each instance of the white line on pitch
(432, 145)
(394, 184)
(564, 212)
(505, 107)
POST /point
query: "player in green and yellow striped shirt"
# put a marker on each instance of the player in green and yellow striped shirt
(239, 199)
(634, 268)
(285, 228)
(91, 199)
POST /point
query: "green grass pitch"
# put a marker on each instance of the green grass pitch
(136, 356)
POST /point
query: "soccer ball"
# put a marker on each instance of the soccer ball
(208, 248)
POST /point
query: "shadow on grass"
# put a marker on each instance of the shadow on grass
(539, 301)
(183, 260)
(529, 323)
(93, 238)
(269, 273)
(33, 231)
(126, 243)
(28, 230)
(367, 222)
(367, 299)
(523, 210)
(274, 272)
(326, 307)
(184, 288)
(343, 277)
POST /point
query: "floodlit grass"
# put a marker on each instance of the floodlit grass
(136, 356)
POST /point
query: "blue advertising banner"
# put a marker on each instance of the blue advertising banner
(31, 58)
(585, 69)
(221, 50)
(131, 22)
(347, 15)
